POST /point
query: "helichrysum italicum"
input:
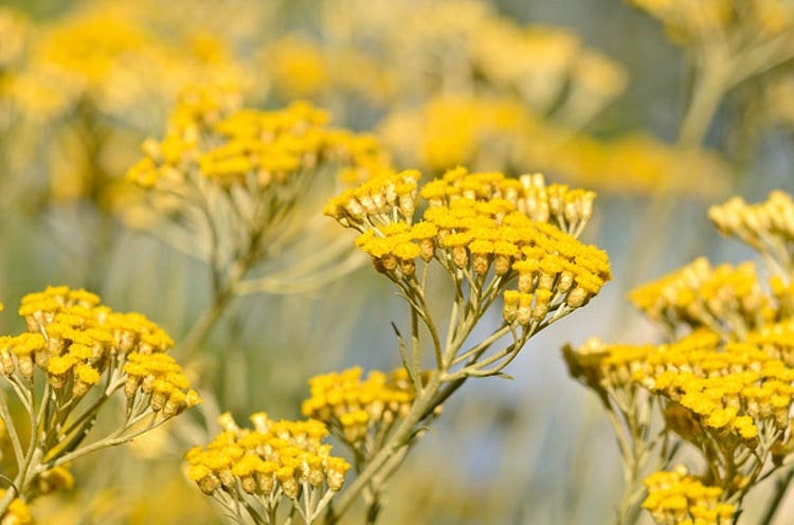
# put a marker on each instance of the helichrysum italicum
(724, 380)
(768, 227)
(486, 230)
(727, 299)
(494, 237)
(251, 472)
(359, 411)
(74, 357)
(678, 498)
(234, 188)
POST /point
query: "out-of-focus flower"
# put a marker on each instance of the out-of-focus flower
(701, 22)
(91, 78)
(237, 183)
(500, 133)
(678, 497)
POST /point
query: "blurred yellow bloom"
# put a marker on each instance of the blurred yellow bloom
(677, 497)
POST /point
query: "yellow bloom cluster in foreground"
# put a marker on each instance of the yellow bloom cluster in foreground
(478, 223)
(724, 382)
(740, 389)
(274, 458)
(80, 343)
(356, 408)
(74, 357)
(676, 498)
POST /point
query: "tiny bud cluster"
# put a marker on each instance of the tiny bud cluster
(726, 299)
(355, 409)
(275, 459)
(677, 498)
(482, 224)
(80, 344)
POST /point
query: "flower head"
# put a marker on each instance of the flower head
(275, 459)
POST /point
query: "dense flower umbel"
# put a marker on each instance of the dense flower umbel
(726, 299)
(247, 148)
(237, 184)
(79, 343)
(257, 467)
(768, 227)
(84, 350)
(482, 223)
(724, 382)
(742, 389)
(677, 498)
(357, 410)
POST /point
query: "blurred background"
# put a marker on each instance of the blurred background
(663, 108)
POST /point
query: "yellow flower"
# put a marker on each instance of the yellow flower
(675, 495)
(18, 512)
(358, 407)
(267, 462)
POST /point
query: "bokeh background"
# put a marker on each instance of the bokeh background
(594, 93)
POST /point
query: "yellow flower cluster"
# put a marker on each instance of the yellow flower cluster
(355, 409)
(633, 163)
(742, 389)
(538, 61)
(112, 56)
(274, 458)
(768, 226)
(17, 513)
(489, 133)
(455, 129)
(478, 222)
(473, 49)
(247, 148)
(58, 478)
(301, 68)
(727, 299)
(603, 367)
(79, 343)
(677, 498)
(695, 21)
(567, 209)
